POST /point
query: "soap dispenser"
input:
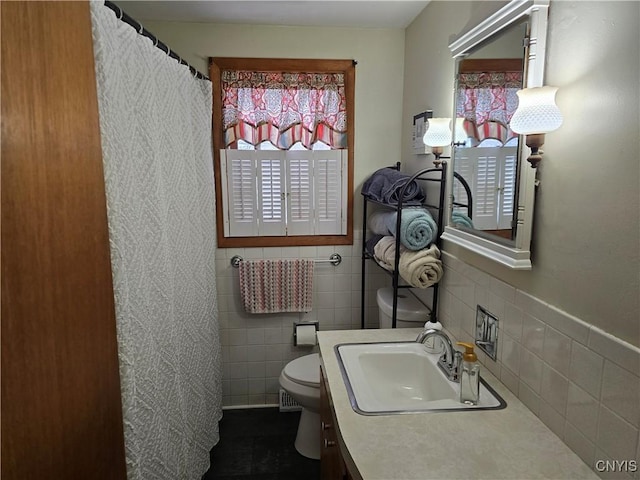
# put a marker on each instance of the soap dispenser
(469, 376)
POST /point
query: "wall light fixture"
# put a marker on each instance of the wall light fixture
(460, 135)
(437, 136)
(537, 114)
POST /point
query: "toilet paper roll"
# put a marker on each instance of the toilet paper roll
(306, 335)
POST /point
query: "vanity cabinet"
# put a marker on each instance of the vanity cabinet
(332, 463)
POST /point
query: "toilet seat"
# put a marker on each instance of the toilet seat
(304, 370)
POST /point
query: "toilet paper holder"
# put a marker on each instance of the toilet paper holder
(301, 324)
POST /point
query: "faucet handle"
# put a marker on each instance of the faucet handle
(456, 363)
(457, 358)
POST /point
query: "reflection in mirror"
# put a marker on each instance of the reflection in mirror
(486, 151)
(488, 157)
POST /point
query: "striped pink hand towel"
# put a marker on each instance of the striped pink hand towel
(273, 286)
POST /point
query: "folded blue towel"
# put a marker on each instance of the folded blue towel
(385, 186)
(459, 218)
(418, 229)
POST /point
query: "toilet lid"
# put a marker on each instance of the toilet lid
(304, 370)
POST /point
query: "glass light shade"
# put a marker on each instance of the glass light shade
(460, 132)
(438, 133)
(537, 111)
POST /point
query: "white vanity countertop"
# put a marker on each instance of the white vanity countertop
(495, 444)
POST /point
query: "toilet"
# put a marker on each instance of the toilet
(301, 379)
(410, 312)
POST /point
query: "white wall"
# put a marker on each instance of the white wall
(586, 243)
(256, 347)
(429, 68)
(509, 45)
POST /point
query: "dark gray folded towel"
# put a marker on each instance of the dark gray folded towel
(371, 243)
(385, 186)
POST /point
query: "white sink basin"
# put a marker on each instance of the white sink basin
(401, 377)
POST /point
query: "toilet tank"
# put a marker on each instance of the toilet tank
(410, 312)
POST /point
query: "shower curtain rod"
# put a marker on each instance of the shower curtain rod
(156, 42)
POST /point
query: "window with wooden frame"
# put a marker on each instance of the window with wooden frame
(283, 135)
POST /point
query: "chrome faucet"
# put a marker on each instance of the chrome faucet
(450, 360)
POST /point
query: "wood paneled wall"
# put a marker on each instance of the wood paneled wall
(61, 409)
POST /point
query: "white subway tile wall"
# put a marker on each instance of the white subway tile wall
(583, 383)
(257, 347)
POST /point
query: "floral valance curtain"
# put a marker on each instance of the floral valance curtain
(488, 100)
(284, 108)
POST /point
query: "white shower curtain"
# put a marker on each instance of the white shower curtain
(155, 122)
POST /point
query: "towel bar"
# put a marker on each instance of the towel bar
(335, 260)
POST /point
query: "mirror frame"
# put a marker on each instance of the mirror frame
(517, 257)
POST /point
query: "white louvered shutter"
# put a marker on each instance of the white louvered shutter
(240, 210)
(271, 183)
(508, 162)
(328, 191)
(278, 193)
(465, 168)
(299, 192)
(486, 195)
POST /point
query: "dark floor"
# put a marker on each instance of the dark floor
(257, 443)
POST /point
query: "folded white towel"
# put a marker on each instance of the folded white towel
(377, 223)
(421, 268)
(385, 252)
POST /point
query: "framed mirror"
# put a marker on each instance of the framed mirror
(490, 192)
